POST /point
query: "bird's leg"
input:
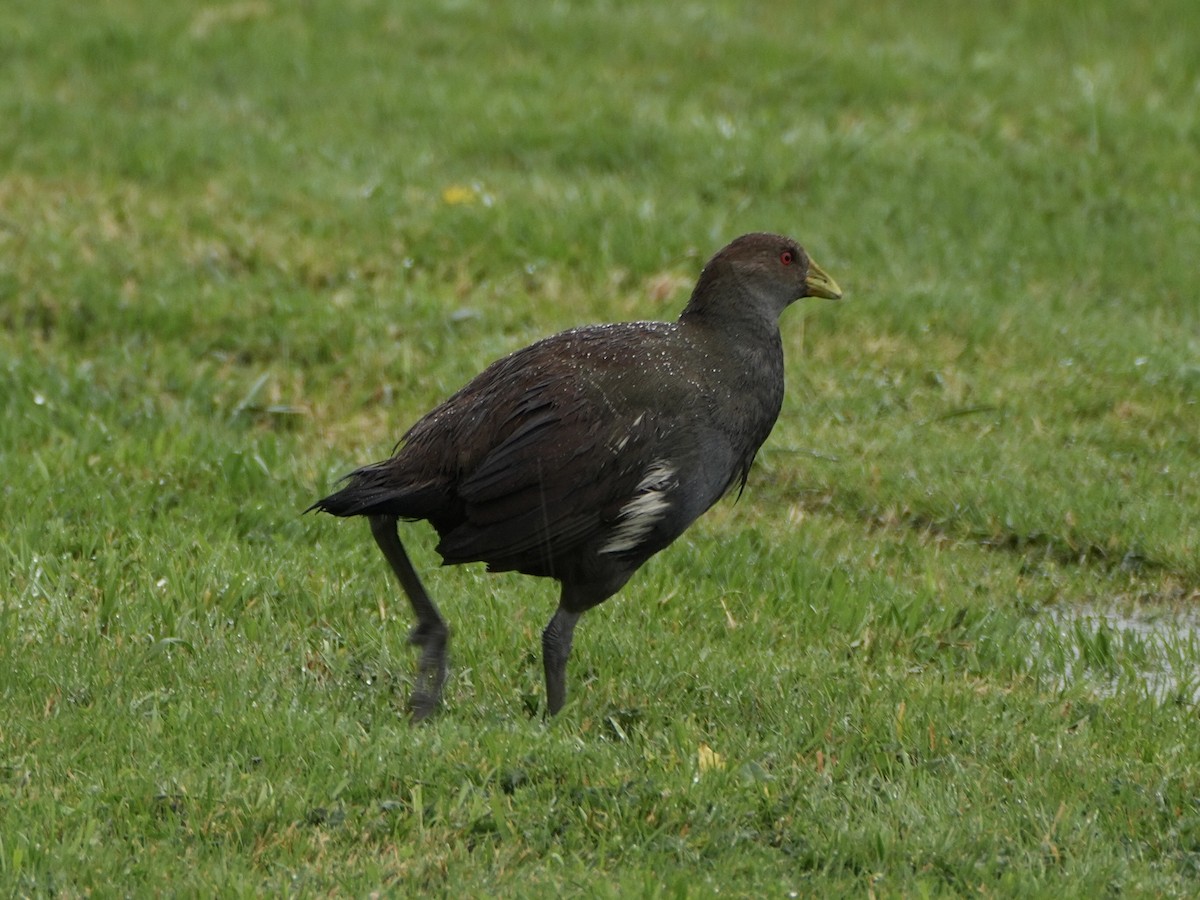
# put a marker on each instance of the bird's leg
(430, 633)
(556, 650)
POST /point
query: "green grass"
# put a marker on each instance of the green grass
(243, 246)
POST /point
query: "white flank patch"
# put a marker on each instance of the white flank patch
(642, 513)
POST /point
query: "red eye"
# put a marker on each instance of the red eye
(786, 257)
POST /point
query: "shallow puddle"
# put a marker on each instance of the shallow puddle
(1113, 650)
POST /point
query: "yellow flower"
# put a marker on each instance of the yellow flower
(709, 759)
(458, 194)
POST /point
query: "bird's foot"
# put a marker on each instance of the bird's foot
(432, 669)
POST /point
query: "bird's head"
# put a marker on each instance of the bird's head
(758, 275)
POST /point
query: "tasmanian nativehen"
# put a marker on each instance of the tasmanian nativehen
(583, 455)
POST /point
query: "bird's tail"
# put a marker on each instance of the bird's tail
(379, 489)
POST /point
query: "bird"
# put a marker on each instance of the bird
(584, 454)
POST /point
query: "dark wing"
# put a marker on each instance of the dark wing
(567, 462)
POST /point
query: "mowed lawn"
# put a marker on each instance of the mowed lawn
(945, 644)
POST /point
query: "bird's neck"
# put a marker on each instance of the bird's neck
(734, 305)
(744, 325)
